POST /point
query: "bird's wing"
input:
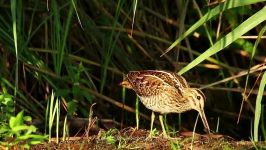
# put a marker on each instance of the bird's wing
(182, 80)
(151, 85)
(171, 78)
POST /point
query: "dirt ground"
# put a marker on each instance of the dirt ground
(137, 139)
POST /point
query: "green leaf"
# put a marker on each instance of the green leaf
(27, 118)
(243, 28)
(110, 140)
(31, 136)
(3, 129)
(228, 4)
(6, 99)
(87, 95)
(12, 122)
(24, 127)
(62, 92)
(34, 142)
(71, 107)
(76, 91)
(247, 46)
(16, 121)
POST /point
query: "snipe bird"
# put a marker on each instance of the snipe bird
(165, 92)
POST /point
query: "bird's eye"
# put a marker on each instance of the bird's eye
(198, 97)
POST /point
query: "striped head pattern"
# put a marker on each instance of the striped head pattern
(196, 100)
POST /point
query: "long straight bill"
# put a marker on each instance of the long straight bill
(204, 120)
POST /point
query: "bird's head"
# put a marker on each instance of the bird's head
(196, 100)
(195, 97)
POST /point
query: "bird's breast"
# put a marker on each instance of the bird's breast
(163, 104)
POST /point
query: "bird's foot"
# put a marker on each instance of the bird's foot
(150, 136)
(166, 136)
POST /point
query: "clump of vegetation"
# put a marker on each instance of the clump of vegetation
(13, 129)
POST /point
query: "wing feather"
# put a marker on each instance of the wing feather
(149, 85)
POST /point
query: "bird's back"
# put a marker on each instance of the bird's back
(159, 91)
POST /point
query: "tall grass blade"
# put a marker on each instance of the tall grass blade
(74, 5)
(65, 130)
(194, 131)
(137, 112)
(111, 45)
(50, 117)
(243, 28)
(263, 127)
(54, 113)
(134, 14)
(228, 4)
(258, 108)
(57, 110)
(60, 34)
(14, 22)
(245, 97)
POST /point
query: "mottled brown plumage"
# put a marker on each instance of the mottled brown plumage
(165, 92)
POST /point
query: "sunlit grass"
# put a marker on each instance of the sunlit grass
(137, 112)
(52, 116)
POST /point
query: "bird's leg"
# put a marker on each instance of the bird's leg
(152, 120)
(162, 124)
